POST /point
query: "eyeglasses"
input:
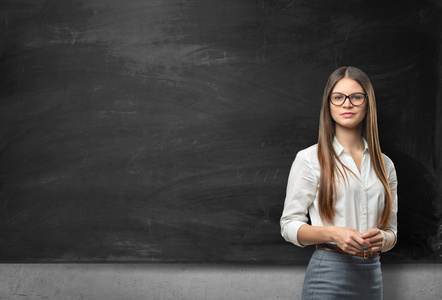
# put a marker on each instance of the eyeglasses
(356, 99)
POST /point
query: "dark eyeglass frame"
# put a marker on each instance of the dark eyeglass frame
(347, 97)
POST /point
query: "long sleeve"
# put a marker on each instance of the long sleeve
(391, 230)
(301, 191)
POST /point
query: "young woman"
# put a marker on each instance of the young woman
(348, 188)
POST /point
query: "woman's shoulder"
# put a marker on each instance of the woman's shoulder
(313, 149)
(389, 165)
(309, 154)
(387, 160)
(306, 160)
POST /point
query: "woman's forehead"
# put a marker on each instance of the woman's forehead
(348, 85)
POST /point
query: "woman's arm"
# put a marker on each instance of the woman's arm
(301, 190)
(348, 239)
(379, 240)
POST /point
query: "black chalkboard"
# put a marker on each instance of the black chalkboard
(163, 131)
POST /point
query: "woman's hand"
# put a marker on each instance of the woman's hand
(349, 239)
(373, 239)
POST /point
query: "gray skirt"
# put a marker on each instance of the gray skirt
(332, 275)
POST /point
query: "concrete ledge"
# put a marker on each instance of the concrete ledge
(169, 281)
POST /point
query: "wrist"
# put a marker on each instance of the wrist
(389, 240)
(384, 238)
(310, 235)
(331, 234)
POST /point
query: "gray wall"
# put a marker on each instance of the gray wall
(193, 282)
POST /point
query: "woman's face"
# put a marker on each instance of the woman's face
(347, 115)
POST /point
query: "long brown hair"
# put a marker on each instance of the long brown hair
(328, 159)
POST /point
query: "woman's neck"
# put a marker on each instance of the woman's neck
(350, 138)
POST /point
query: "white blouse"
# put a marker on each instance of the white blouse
(359, 203)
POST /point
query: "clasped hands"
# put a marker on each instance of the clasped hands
(352, 241)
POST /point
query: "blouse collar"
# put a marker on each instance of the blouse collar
(339, 149)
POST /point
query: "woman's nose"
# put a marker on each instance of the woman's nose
(347, 102)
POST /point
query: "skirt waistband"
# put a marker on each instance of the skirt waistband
(366, 254)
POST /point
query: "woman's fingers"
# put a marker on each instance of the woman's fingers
(371, 233)
(349, 239)
(374, 239)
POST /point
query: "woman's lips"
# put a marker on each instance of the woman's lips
(348, 114)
